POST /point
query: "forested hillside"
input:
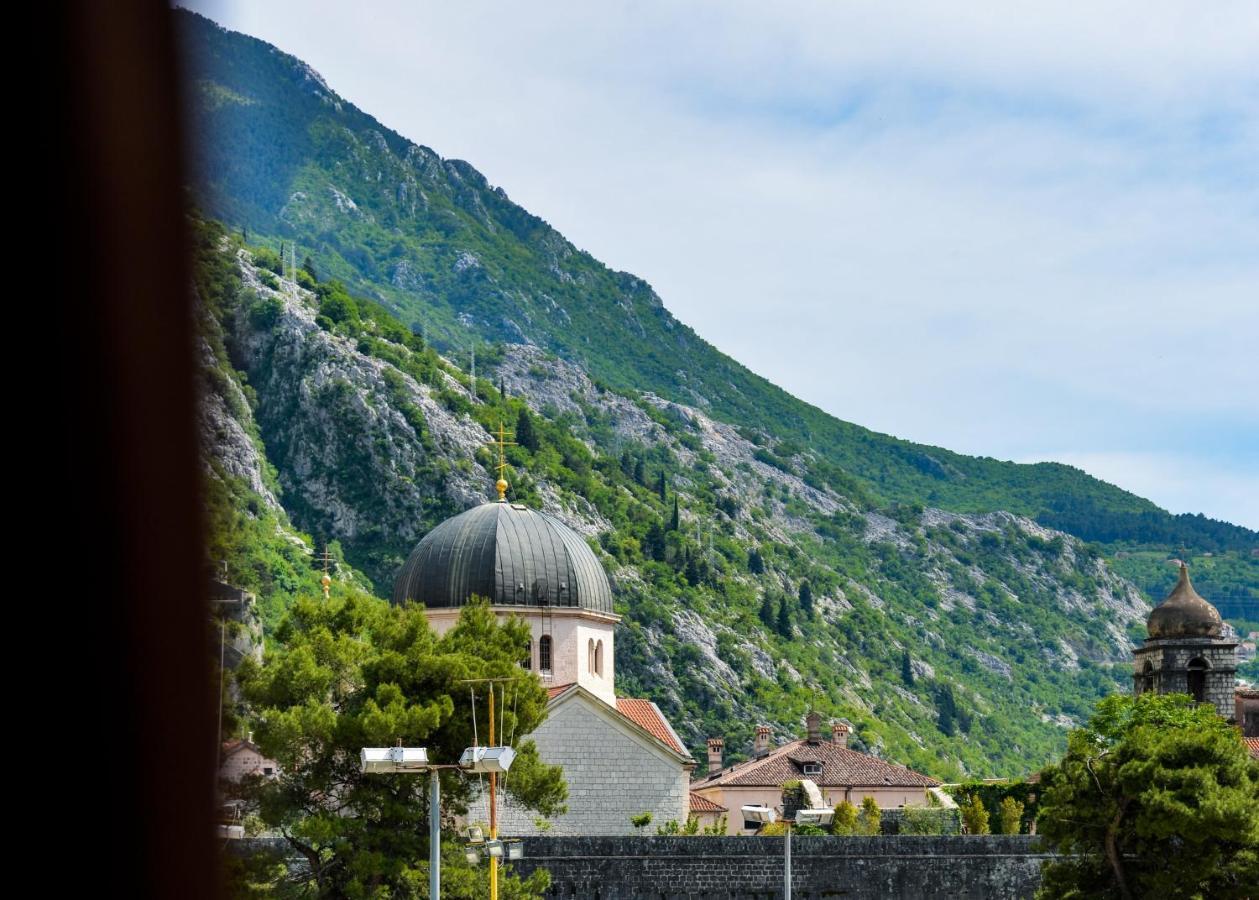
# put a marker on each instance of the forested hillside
(280, 154)
(952, 642)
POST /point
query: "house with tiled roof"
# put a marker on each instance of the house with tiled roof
(619, 755)
(840, 773)
(707, 812)
(1252, 744)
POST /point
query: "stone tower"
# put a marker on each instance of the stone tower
(1185, 651)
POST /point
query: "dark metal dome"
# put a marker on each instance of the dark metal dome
(1184, 613)
(509, 554)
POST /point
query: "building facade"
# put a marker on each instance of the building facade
(839, 772)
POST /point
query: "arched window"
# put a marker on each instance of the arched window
(599, 658)
(590, 655)
(528, 663)
(544, 654)
(1147, 678)
(1198, 679)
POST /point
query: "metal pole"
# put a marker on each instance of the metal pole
(493, 808)
(435, 836)
(787, 866)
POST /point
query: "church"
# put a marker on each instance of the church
(1186, 651)
(620, 756)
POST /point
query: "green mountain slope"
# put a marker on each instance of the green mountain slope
(280, 154)
(956, 643)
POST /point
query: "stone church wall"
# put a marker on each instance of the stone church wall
(610, 775)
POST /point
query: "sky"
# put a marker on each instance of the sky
(1021, 230)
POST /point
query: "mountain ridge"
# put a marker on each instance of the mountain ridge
(434, 241)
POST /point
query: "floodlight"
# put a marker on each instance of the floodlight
(487, 759)
(472, 856)
(814, 816)
(759, 814)
(475, 834)
(515, 850)
(387, 760)
(494, 848)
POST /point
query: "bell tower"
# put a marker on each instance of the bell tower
(1185, 651)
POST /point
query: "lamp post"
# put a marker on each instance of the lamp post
(763, 815)
(410, 760)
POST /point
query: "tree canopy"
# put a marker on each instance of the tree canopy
(1156, 797)
(353, 672)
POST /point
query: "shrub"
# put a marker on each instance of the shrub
(1010, 816)
(975, 816)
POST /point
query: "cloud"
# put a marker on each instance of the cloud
(1010, 229)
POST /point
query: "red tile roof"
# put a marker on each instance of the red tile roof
(647, 716)
(557, 689)
(841, 767)
(1252, 744)
(700, 804)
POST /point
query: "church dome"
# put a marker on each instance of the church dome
(1184, 613)
(509, 554)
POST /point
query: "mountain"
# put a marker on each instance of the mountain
(279, 153)
(766, 556)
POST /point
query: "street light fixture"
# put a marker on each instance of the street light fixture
(495, 760)
(393, 760)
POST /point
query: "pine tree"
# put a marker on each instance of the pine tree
(308, 266)
(756, 565)
(907, 669)
(784, 618)
(767, 612)
(640, 472)
(693, 574)
(1155, 797)
(525, 434)
(806, 599)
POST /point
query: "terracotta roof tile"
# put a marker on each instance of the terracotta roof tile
(700, 804)
(841, 767)
(647, 716)
(1252, 744)
(556, 689)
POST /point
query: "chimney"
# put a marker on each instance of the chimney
(760, 746)
(813, 722)
(839, 733)
(715, 746)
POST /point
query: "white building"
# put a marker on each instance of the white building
(620, 756)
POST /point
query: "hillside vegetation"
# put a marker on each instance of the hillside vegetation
(953, 642)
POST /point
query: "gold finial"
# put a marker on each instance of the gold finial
(502, 443)
(327, 579)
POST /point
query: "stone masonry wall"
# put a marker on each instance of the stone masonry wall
(751, 868)
(610, 776)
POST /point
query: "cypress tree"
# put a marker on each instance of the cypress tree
(640, 472)
(308, 266)
(806, 598)
(525, 435)
(676, 520)
(756, 565)
(784, 618)
(767, 612)
(907, 670)
(662, 488)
